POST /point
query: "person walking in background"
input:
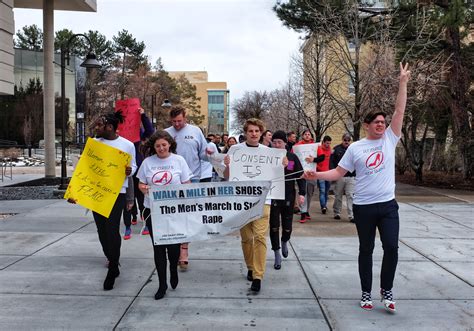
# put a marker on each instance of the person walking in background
(130, 200)
(266, 138)
(373, 159)
(130, 217)
(324, 150)
(291, 140)
(282, 210)
(231, 141)
(162, 167)
(344, 185)
(192, 146)
(307, 138)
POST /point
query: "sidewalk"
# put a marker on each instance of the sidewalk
(52, 268)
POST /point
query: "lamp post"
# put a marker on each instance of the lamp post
(166, 104)
(90, 62)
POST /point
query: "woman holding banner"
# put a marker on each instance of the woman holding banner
(162, 167)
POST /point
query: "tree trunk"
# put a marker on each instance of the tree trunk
(458, 88)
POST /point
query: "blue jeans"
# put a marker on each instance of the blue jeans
(323, 186)
(368, 218)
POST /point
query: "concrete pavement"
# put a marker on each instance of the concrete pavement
(52, 268)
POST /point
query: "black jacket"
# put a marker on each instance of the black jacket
(336, 156)
(294, 170)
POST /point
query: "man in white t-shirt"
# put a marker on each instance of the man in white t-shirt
(192, 146)
(253, 234)
(373, 159)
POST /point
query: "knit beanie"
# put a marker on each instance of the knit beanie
(279, 135)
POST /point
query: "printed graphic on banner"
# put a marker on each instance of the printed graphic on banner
(98, 177)
(303, 151)
(201, 211)
(249, 163)
(130, 129)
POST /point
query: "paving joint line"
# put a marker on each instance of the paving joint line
(323, 310)
(433, 261)
(51, 243)
(134, 299)
(441, 216)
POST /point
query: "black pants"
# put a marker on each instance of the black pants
(108, 230)
(160, 252)
(383, 216)
(139, 197)
(138, 202)
(281, 209)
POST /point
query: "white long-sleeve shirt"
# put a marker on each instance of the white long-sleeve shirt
(125, 146)
(191, 146)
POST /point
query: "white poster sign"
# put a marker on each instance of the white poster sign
(201, 211)
(305, 150)
(250, 163)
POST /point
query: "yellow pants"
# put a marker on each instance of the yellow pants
(254, 244)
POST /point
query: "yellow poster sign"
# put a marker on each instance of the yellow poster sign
(98, 178)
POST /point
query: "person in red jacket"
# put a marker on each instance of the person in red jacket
(307, 138)
(324, 150)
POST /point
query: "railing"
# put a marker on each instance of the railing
(5, 164)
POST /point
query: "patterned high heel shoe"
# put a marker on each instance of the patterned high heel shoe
(386, 296)
(366, 301)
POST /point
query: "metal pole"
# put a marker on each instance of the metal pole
(63, 185)
(153, 110)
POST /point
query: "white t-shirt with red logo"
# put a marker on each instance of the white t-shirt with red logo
(159, 172)
(374, 163)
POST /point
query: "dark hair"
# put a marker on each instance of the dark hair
(177, 110)
(327, 138)
(373, 114)
(290, 133)
(263, 134)
(148, 148)
(211, 135)
(113, 118)
(307, 130)
(226, 149)
(256, 122)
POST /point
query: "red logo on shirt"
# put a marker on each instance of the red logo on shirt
(162, 178)
(374, 160)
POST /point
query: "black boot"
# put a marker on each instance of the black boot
(161, 292)
(249, 275)
(113, 273)
(256, 284)
(174, 276)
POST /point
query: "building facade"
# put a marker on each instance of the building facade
(214, 100)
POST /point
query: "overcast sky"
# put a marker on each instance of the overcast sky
(241, 42)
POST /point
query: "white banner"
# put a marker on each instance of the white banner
(305, 150)
(201, 211)
(250, 163)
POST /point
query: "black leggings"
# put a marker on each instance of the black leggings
(383, 216)
(281, 209)
(160, 253)
(108, 230)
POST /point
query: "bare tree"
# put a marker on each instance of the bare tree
(253, 104)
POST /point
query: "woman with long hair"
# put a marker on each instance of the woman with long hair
(162, 167)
